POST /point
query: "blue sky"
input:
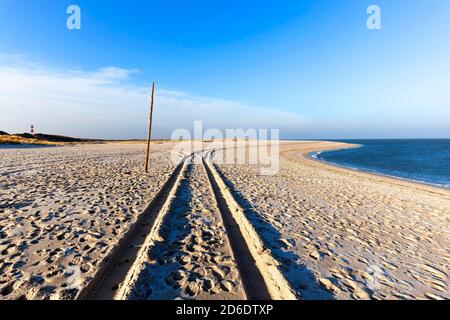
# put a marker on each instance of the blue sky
(309, 68)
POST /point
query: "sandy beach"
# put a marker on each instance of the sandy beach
(195, 236)
(63, 209)
(344, 234)
(332, 233)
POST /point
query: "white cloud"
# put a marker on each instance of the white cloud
(105, 104)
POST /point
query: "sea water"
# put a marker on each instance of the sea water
(421, 160)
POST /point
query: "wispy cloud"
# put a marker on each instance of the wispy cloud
(105, 104)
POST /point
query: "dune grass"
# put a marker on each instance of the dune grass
(17, 140)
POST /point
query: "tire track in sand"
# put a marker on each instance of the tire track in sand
(115, 269)
(190, 255)
(195, 243)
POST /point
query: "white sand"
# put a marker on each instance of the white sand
(336, 233)
(345, 234)
(192, 257)
(62, 209)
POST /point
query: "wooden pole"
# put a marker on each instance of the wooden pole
(150, 128)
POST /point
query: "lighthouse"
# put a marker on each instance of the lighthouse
(32, 129)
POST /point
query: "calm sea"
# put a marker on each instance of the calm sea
(424, 160)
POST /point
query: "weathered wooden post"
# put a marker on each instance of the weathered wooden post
(150, 128)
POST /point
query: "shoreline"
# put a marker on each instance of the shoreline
(327, 225)
(355, 235)
(308, 156)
